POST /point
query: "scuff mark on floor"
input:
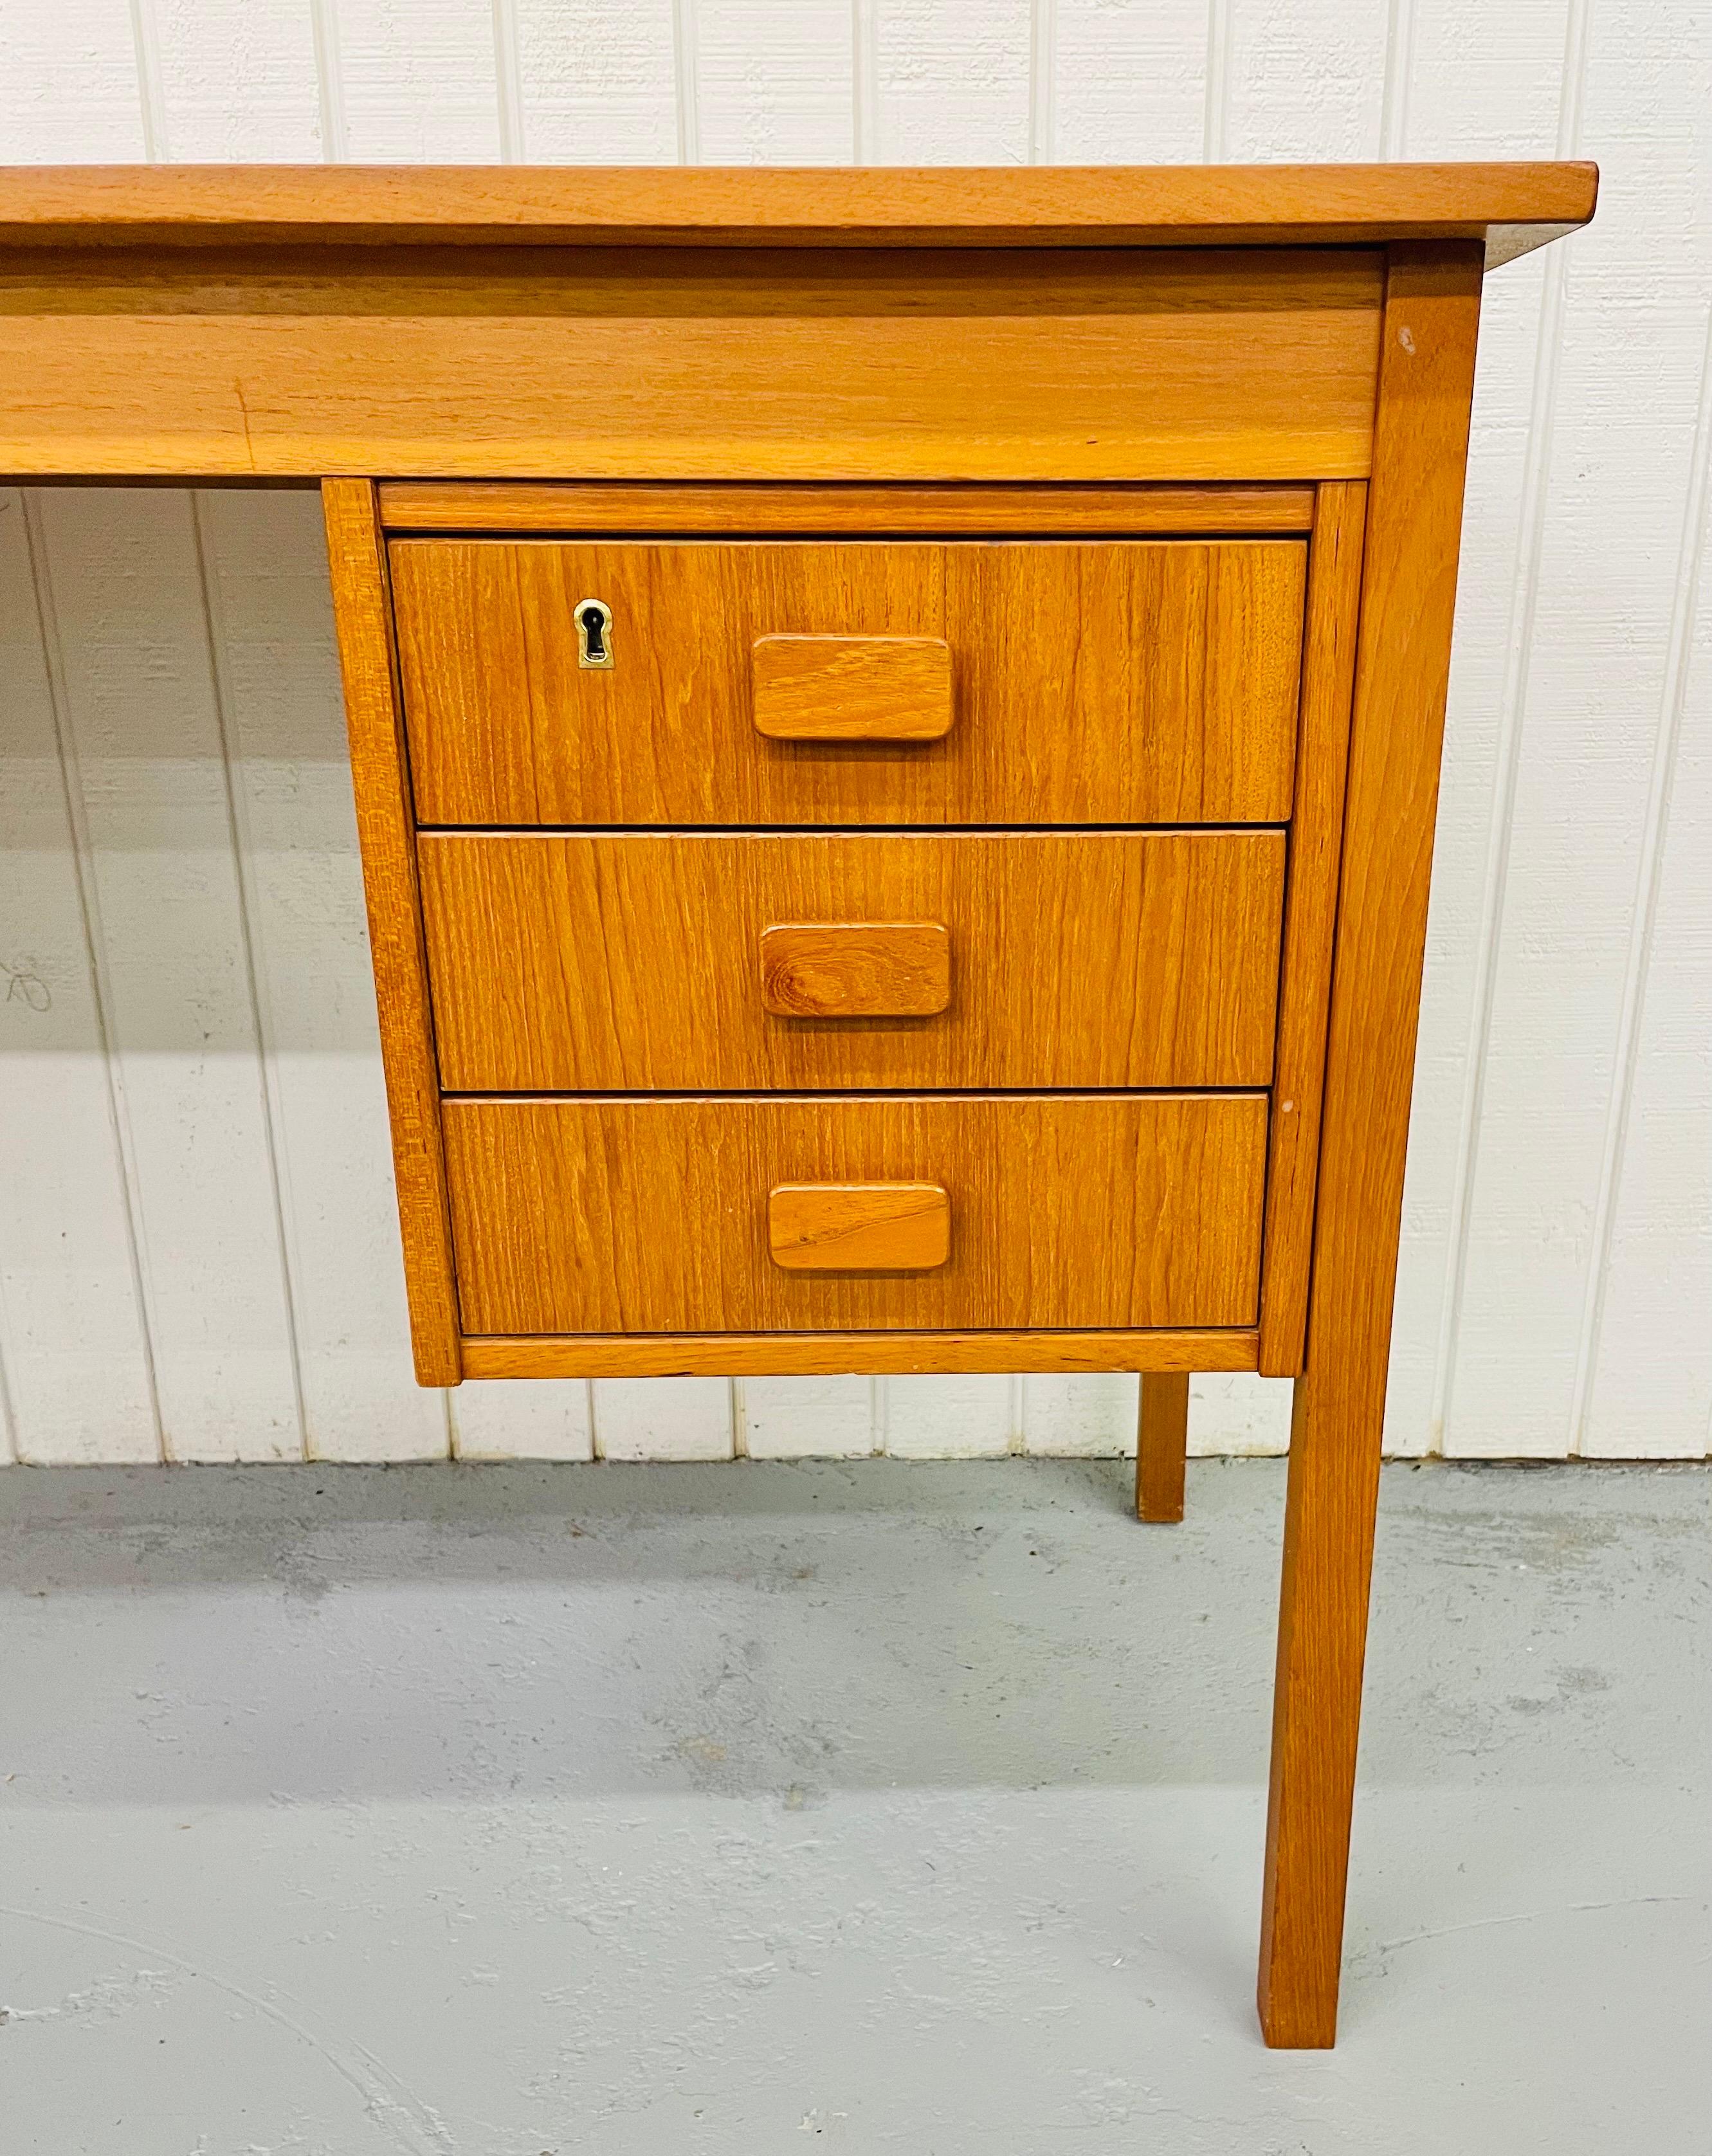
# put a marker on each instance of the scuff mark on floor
(413, 2128)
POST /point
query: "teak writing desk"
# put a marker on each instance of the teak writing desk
(895, 719)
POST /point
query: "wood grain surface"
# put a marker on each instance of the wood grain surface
(856, 969)
(640, 505)
(590, 962)
(859, 1227)
(1075, 1211)
(1120, 682)
(851, 688)
(1161, 1445)
(357, 561)
(1218, 205)
(1408, 599)
(897, 1351)
(532, 363)
(1310, 919)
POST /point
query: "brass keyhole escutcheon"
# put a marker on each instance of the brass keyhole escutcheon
(594, 633)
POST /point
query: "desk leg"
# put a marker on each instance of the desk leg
(1322, 1635)
(1162, 1444)
(1408, 591)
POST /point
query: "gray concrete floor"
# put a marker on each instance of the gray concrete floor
(496, 1811)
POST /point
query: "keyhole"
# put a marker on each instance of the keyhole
(594, 621)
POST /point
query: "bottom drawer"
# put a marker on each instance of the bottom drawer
(783, 1214)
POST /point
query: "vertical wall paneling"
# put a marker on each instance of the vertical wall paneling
(599, 81)
(69, 84)
(1230, 1413)
(953, 81)
(1399, 79)
(685, 91)
(1043, 82)
(150, 96)
(205, 1243)
(964, 1418)
(172, 958)
(797, 1418)
(1510, 104)
(508, 82)
(1647, 1384)
(411, 81)
(72, 1340)
(9, 1420)
(1509, 707)
(250, 987)
(330, 83)
(1129, 85)
(864, 80)
(1613, 530)
(529, 1418)
(1461, 81)
(767, 85)
(1215, 104)
(272, 625)
(236, 82)
(663, 1418)
(1079, 1418)
(1303, 79)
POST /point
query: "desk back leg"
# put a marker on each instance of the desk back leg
(1162, 1444)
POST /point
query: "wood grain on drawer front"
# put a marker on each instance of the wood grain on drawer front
(1109, 682)
(651, 1215)
(590, 962)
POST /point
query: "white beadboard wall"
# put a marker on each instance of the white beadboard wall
(198, 1254)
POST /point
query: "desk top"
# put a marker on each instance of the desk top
(1115, 324)
(1511, 207)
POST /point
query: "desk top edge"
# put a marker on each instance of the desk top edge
(1511, 206)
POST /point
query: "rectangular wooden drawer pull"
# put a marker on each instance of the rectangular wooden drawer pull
(856, 969)
(859, 1227)
(852, 688)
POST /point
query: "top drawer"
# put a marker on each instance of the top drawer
(1118, 681)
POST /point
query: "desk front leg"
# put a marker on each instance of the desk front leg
(1322, 1636)
(1408, 595)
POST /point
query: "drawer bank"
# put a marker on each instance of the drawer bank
(895, 722)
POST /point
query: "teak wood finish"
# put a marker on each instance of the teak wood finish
(1408, 597)
(890, 1354)
(1161, 1445)
(766, 363)
(1509, 206)
(851, 688)
(1118, 682)
(859, 1227)
(374, 721)
(856, 969)
(649, 1214)
(659, 506)
(1167, 465)
(1316, 840)
(603, 963)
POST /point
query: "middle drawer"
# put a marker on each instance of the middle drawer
(571, 962)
